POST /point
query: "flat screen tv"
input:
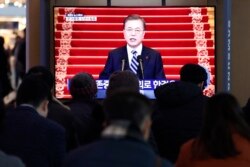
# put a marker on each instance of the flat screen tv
(83, 36)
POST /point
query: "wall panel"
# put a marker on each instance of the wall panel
(240, 50)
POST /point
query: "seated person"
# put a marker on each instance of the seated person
(127, 80)
(224, 139)
(146, 66)
(27, 133)
(58, 112)
(87, 112)
(123, 141)
(179, 110)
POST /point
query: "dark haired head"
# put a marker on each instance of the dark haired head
(129, 106)
(44, 73)
(222, 118)
(134, 17)
(83, 86)
(1, 41)
(33, 90)
(123, 80)
(193, 73)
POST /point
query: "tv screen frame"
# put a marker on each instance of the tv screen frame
(204, 52)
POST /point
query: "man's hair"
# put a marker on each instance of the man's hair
(83, 86)
(134, 17)
(193, 73)
(123, 80)
(44, 73)
(33, 90)
(128, 106)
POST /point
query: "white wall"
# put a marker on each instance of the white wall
(136, 3)
(186, 2)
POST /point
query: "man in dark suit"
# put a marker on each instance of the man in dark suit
(26, 132)
(142, 60)
(58, 112)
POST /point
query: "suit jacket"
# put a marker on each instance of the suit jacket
(63, 116)
(152, 63)
(10, 161)
(89, 118)
(113, 152)
(178, 116)
(36, 140)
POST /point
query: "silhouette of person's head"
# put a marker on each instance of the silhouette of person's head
(131, 108)
(83, 86)
(123, 80)
(222, 119)
(222, 112)
(194, 73)
(35, 92)
(44, 73)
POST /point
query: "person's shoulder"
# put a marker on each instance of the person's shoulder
(8, 160)
(146, 48)
(58, 110)
(187, 146)
(57, 104)
(53, 131)
(166, 163)
(49, 126)
(205, 98)
(54, 126)
(86, 150)
(150, 51)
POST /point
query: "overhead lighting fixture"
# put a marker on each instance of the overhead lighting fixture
(12, 3)
(2, 5)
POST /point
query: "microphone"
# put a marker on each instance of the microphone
(139, 59)
(123, 64)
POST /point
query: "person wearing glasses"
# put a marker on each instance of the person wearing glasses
(145, 62)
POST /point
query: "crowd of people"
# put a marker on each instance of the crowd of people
(12, 67)
(181, 128)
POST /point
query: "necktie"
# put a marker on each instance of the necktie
(134, 63)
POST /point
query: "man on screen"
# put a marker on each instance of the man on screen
(143, 61)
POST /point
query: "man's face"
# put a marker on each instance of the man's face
(134, 32)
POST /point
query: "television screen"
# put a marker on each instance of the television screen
(83, 37)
